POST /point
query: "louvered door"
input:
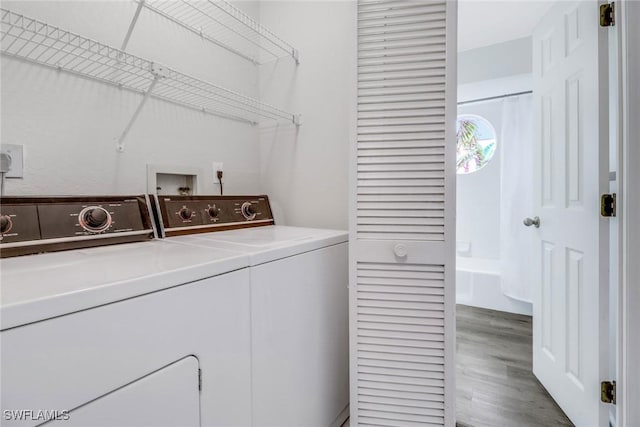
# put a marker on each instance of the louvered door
(402, 296)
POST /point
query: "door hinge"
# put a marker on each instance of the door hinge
(608, 392)
(200, 379)
(608, 205)
(608, 14)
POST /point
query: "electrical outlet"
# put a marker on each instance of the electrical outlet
(217, 166)
(15, 152)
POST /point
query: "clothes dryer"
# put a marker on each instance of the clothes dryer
(299, 303)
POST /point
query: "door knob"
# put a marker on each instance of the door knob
(400, 250)
(532, 221)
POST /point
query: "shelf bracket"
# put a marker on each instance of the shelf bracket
(132, 25)
(159, 73)
(297, 119)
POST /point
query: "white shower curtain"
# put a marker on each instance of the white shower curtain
(516, 240)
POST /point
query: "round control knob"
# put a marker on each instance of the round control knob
(5, 224)
(185, 213)
(95, 219)
(213, 211)
(248, 211)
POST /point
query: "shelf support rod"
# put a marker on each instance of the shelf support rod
(156, 78)
(132, 25)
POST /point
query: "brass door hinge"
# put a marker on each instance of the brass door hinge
(608, 205)
(608, 392)
(608, 15)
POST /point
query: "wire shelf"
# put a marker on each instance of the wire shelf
(225, 25)
(38, 42)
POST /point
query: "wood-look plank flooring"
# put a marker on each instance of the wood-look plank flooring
(495, 385)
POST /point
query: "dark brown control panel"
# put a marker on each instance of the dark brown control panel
(202, 214)
(31, 225)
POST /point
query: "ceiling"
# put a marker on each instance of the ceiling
(482, 23)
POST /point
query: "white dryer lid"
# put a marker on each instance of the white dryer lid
(269, 243)
(37, 287)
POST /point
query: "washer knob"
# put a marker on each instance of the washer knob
(185, 213)
(95, 219)
(248, 211)
(5, 224)
(213, 211)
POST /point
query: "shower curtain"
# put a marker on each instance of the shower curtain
(516, 240)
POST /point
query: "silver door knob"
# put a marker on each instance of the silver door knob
(532, 221)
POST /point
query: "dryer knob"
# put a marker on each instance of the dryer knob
(213, 211)
(248, 211)
(5, 224)
(95, 219)
(185, 213)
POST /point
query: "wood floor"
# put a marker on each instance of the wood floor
(494, 383)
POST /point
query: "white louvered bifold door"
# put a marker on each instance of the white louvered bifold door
(402, 224)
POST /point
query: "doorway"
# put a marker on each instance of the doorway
(526, 135)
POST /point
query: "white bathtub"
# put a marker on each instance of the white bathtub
(478, 284)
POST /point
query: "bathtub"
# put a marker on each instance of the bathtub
(478, 284)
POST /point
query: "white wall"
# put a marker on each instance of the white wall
(496, 61)
(68, 125)
(305, 170)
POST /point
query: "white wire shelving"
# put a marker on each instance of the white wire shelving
(218, 22)
(38, 42)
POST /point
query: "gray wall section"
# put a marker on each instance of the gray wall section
(495, 61)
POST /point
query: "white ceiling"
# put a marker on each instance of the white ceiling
(482, 23)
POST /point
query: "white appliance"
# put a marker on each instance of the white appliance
(139, 334)
(299, 304)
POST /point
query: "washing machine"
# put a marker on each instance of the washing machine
(138, 333)
(299, 303)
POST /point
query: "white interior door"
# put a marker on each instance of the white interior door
(570, 335)
(402, 224)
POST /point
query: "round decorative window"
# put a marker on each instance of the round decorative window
(476, 143)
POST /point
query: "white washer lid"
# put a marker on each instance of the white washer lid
(268, 243)
(37, 287)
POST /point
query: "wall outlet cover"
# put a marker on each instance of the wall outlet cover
(17, 159)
